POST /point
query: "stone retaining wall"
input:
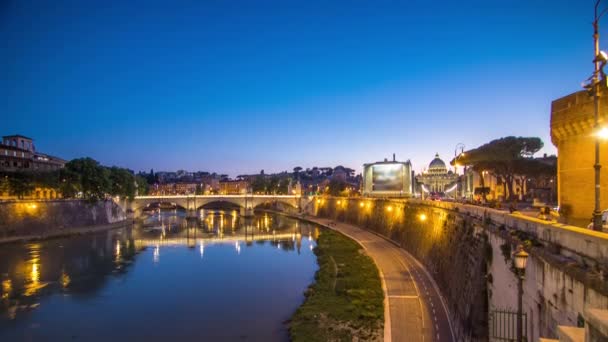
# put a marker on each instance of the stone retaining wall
(468, 251)
(46, 218)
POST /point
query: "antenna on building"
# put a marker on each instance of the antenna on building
(394, 157)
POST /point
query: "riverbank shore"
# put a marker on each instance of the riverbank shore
(414, 307)
(64, 232)
(346, 300)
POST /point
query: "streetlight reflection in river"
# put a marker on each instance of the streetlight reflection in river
(7, 288)
(117, 250)
(202, 249)
(156, 255)
(65, 279)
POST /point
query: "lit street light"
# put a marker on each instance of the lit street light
(520, 259)
(456, 156)
(603, 133)
(599, 61)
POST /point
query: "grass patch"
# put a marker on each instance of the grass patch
(345, 303)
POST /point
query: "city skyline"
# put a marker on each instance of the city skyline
(195, 86)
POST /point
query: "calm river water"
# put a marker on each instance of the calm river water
(219, 278)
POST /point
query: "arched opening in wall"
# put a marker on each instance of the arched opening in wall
(219, 216)
(277, 205)
(220, 205)
(166, 208)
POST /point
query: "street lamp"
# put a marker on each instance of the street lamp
(599, 61)
(461, 147)
(520, 259)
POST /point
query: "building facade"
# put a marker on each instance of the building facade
(18, 153)
(437, 179)
(572, 132)
(234, 187)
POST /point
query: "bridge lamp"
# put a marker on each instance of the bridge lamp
(339, 202)
(422, 217)
(389, 208)
(361, 204)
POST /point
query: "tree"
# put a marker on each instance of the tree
(259, 184)
(336, 187)
(94, 178)
(122, 182)
(272, 185)
(504, 158)
(20, 184)
(283, 186)
(69, 183)
(142, 186)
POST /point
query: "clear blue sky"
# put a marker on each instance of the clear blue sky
(238, 86)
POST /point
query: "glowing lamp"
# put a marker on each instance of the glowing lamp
(520, 259)
(422, 217)
(603, 133)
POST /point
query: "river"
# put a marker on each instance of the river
(217, 278)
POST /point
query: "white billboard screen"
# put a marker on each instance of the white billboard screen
(387, 177)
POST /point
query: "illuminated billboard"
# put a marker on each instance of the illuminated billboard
(387, 177)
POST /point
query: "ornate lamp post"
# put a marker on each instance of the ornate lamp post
(520, 259)
(461, 147)
(599, 61)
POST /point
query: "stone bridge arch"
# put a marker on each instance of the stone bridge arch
(193, 203)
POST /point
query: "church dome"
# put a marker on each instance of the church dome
(437, 165)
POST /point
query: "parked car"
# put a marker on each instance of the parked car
(604, 220)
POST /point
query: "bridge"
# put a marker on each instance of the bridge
(193, 203)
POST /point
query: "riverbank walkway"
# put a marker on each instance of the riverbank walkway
(414, 309)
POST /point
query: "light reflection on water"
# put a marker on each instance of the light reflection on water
(147, 280)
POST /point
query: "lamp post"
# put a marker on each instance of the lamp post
(456, 155)
(599, 61)
(520, 259)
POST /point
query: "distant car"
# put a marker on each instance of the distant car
(604, 220)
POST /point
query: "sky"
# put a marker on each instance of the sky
(240, 86)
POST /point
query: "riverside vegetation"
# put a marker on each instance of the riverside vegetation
(345, 303)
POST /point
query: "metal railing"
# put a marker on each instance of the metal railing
(503, 325)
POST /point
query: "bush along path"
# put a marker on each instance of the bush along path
(345, 303)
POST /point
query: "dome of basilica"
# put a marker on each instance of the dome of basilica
(437, 165)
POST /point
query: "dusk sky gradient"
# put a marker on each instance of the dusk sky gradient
(239, 86)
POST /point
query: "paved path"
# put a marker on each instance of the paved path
(415, 310)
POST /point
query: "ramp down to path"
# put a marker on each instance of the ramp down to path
(415, 310)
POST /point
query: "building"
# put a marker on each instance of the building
(572, 132)
(437, 179)
(18, 153)
(234, 187)
(387, 179)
